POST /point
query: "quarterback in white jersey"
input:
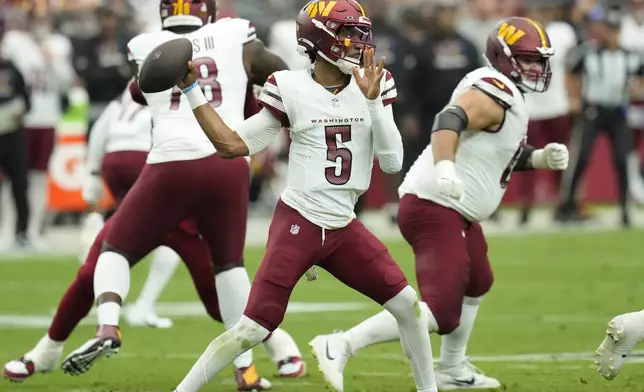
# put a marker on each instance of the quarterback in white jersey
(190, 180)
(339, 117)
(459, 180)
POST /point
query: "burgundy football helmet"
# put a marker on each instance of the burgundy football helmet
(187, 12)
(338, 31)
(516, 42)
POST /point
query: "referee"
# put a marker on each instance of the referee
(600, 75)
(14, 104)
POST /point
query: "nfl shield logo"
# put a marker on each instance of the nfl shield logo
(295, 229)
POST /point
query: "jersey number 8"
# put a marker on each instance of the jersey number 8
(207, 77)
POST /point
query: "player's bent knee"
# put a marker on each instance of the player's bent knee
(405, 303)
(480, 283)
(251, 332)
(448, 317)
(267, 304)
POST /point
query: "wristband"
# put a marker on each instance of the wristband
(195, 96)
(193, 85)
(538, 159)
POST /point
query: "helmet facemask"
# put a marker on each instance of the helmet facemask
(349, 42)
(530, 69)
(536, 75)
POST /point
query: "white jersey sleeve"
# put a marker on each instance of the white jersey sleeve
(271, 99)
(259, 131)
(251, 34)
(388, 91)
(497, 89)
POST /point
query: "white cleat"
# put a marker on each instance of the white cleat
(463, 376)
(292, 367)
(35, 361)
(622, 334)
(332, 353)
(138, 315)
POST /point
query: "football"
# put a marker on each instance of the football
(165, 65)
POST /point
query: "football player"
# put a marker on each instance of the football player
(185, 175)
(117, 151)
(477, 141)
(44, 58)
(339, 117)
(78, 300)
(123, 131)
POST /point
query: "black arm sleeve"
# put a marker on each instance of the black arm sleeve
(523, 162)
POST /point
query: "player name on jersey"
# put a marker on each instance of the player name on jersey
(336, 120)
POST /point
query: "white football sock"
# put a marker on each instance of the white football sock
(233, 289)
(281, 346)
(220, 352)
(164, 264)
(382, 328)
(47, 344)
(414, 338)
(112, 275)
(37, 193)
(454, 345)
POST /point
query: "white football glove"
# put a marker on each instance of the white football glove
(92, 189)
(553, 156)
(448, 182)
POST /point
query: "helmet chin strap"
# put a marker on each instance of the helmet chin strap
(345, 66)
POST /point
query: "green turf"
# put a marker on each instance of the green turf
(553, 294)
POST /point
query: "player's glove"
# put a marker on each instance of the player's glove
(553, 156)
(92, 188)
(448, 182)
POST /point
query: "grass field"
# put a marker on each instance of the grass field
(552, 295)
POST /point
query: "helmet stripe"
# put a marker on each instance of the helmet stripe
(361, 9)
(542, 35)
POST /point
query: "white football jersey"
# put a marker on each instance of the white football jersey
(484, 159)
(130, 126)
(47, 70)
(218, 59)
(331, 153)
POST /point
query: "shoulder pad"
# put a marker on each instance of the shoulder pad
(497, 89)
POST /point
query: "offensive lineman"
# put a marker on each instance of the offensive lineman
(337, 123)
(478, 140)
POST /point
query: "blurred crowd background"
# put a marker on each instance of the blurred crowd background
(429, 45)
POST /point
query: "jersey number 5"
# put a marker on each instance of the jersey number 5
(207, 77)
(507, 173)
(333, 153)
